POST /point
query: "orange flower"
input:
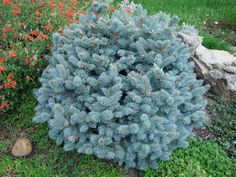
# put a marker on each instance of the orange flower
(28, 78)
(48, 27)
(61, 32)
(42, 36)
(61, 6)
(69, 14)
(9, 76)
(37, 13)
(4, 105)
(35, 33)
(16, 12)
(13, 84)
(5, 85)
(111, 9)
(28, 37)
(82, 12)
(7, 28)
(6, 1)
(52, 5)
(85, 3)
(128, 10)
(45, 36)
(2, 59)
(27, 60)
(70, 21)
(13, 54)
(74, 2)
(41, 5)
(15, 35)
(14, 6)
(4, 35)
(2, 69)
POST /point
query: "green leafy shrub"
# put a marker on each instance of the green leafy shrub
(119, 86)
(223, 124)
(201, 159)
(25, 27)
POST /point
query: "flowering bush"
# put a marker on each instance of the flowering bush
(25, 30)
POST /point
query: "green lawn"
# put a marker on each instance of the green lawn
(194, 11)
(202, 14)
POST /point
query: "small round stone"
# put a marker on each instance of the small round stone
(22, 147)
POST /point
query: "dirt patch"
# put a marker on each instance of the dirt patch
(223, 30)
(132, 173)
(10, 174)
(204, 133)
(222, 25)
(4, 134)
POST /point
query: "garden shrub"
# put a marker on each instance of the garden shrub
(223, 124)
(201, 158)
(25, 27)
(119, 86)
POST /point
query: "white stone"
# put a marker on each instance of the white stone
(192, 40)
(215, 57)
(216, 67)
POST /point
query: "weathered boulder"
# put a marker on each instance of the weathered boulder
(216, 67)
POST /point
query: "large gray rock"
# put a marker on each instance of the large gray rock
(216, 67)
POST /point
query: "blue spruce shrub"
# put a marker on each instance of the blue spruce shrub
(119, 86)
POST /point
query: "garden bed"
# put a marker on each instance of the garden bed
(25, 37)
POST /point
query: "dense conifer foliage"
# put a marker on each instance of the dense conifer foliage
(120, 86)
